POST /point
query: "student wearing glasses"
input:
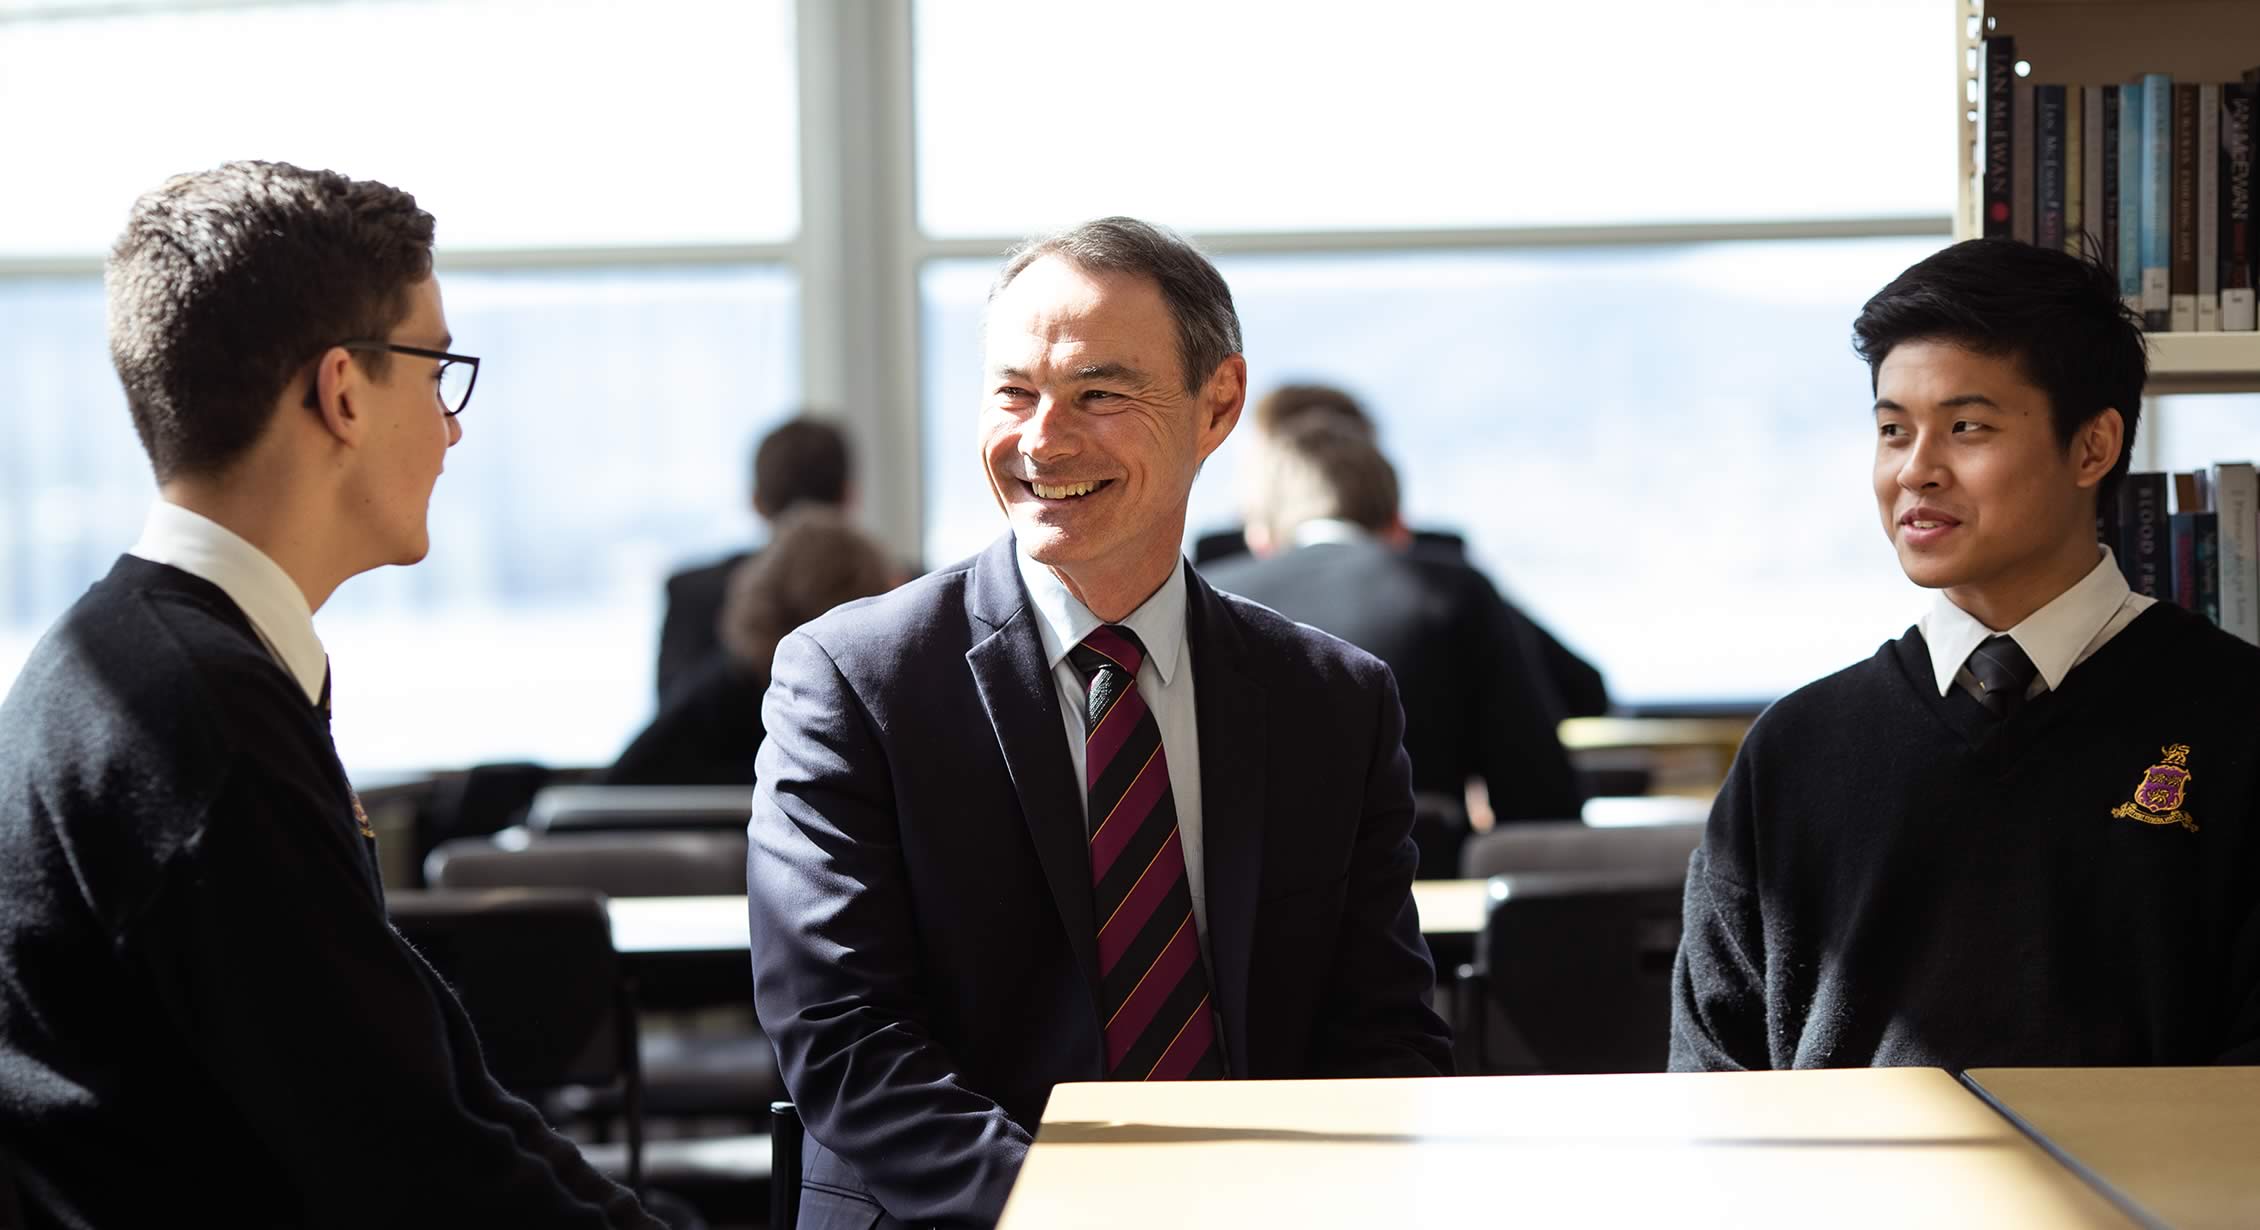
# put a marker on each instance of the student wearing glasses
(204, 1015)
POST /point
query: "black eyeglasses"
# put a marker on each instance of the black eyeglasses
(458, 373)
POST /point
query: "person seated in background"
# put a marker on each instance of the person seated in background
(1330, 552)
(1577, 684)
(205, 1017)
(805, 461)
(710, 726)
(2023, 833)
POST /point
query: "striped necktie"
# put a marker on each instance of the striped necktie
(1152, 986)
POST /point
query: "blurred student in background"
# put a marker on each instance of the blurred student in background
(803, 462)
(1329, 551)
(1578, 688)
(710, 725)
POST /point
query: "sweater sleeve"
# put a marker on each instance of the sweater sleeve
(1718, 1008)
(270, 953)
(2244, 995)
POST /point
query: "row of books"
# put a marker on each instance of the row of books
(2193, 539)
(2153, 178)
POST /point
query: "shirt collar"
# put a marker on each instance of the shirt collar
(276, 607)
(1329, 529)
(2052, 636)
(1062, 621)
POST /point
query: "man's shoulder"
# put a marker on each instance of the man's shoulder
(1273, 644)
(910, 619)
(708, 576)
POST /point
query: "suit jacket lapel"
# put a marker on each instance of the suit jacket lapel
(1016, 689)
(1230, 710)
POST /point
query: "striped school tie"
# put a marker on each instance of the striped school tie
(1152, 986)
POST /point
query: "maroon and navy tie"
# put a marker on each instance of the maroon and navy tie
(1152, 986)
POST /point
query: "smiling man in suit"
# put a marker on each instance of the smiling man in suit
(1063, 812)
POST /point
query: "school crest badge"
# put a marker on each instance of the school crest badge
(2158, 800)
(361, 817)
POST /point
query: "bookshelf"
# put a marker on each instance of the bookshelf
(2100, 42)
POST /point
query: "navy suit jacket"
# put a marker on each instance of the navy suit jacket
(924, 941)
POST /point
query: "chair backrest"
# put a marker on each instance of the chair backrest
(656, 864)
(559, 809)
(1572, 845)
(536, 972)
(1580, 965)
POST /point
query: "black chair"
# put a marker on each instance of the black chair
(1577, 967)
(785, 1133)
(586, 809)
(653, 864)
(1573, 845)
(537, 974)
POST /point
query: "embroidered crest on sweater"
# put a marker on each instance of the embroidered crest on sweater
(2158, 800)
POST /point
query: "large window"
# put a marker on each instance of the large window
(616, 188)
(1656, 440)
(1663, 453)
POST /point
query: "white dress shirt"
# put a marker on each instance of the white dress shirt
(2057, 637)
(276, 607)
(1165, 681)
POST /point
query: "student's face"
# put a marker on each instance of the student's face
(1088, 436)
(410, 433)
(1977, 495)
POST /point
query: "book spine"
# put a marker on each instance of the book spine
(2182, 274)
(2206, 551)
(2129, 160)
(2020, 162)
(2207, 156)
(2185, 560)
(2157, 199)
(2240, 308)
(2048, 166)
(1997, 71)
(2075, 171)
(2142, 526)
(2095, 202)
(2236, 502)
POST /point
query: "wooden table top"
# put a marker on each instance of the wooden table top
(2180, 1144)
(664, 926)
(1884, 1147)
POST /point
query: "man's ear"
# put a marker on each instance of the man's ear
(2096, 447)
(1221, 401)
(338, 386)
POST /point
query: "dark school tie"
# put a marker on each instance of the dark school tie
(2003, 674)
(1152, 986)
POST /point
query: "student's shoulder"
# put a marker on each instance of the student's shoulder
(2200, 655)
(1841, 700)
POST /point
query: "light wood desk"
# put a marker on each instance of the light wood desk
(688, 926)
(2182, 1145)
(1888, 1147)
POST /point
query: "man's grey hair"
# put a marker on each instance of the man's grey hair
(1319, 466)
(1208, 328)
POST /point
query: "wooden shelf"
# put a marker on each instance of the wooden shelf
(2204, 363)
(2108, 42)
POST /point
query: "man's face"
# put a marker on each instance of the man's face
(1088, 435)
(409, 432)
(1975, 491)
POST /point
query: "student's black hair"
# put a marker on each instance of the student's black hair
(2058, 316)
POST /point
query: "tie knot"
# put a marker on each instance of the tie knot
(1109, 645)
(2003, 673)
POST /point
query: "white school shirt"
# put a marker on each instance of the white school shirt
(2057, 637)
(276, 607)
